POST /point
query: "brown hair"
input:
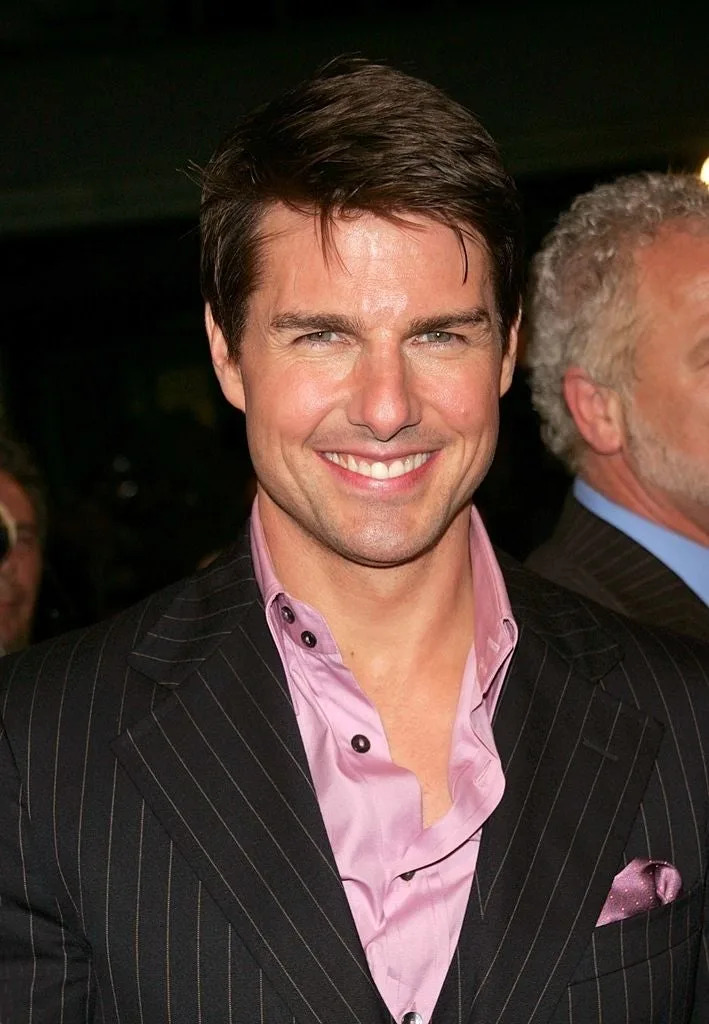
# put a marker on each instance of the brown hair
(356, 137)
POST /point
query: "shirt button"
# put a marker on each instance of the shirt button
(407, 875)
(287, 614)
(360, 743)
(412, 1018)
(308, 638)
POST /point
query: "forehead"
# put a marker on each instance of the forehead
(362, 250)
(16, 500)
(673, 269)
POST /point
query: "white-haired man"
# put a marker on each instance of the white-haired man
(619, 356)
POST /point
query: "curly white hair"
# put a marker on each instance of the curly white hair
(581, 302)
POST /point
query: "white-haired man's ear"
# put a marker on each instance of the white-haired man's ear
(228, 370)
(597, 411)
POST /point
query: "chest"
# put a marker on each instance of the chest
(419, 731)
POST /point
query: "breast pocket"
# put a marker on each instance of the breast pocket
(642, 937)
(639, 970)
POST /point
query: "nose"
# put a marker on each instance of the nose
(8, 576)
(384, 397)
(8, 565)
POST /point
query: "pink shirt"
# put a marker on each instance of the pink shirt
(407, 885)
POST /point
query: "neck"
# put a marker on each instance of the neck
(613, 477)
(383, 619)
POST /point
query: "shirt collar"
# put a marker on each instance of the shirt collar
(495, 628)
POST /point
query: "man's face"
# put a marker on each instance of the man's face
(370, 372)
(21, 570)
(668, 415)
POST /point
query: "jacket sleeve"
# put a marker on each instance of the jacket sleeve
(45, 966)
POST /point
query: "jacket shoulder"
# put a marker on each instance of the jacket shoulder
(576, 620)
(52, 676)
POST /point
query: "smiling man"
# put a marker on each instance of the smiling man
(361, 768)
(371, 371)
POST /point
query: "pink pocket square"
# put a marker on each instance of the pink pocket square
(640, 886)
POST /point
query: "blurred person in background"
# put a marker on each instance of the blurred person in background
(619, 356)
(23, 516)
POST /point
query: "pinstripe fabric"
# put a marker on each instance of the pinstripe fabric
(590, 556)
(157, 816)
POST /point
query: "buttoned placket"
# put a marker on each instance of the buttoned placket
(309, 668)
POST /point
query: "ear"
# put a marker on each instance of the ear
(509, 356)
(596, 410)
(227, 369)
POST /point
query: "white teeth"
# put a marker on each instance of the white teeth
(378, 470)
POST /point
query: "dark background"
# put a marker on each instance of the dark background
(103, 366)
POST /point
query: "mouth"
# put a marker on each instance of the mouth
(376, 469)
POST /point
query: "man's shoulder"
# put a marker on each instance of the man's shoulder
(580, 547)
(603, 643)
(99, 656)
(74, 666)
(588, 555)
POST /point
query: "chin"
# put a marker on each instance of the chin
(382, 551)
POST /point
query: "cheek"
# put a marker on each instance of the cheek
(30, 570)
(291, 406)
(662, 386)
(688, 422)
(678, 406)
(471, 407)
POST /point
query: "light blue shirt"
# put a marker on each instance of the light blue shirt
(686, 558)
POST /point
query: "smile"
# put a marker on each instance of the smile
(379, 470)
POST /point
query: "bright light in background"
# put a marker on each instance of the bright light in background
(704, 173)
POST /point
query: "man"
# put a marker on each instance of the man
(349, 772)
(22, 509)
(619, 355)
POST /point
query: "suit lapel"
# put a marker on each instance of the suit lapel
(576, 764)
(221, 763)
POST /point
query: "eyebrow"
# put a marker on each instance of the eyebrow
(317, 322)
(477, 316)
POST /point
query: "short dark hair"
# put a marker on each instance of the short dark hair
(18, 462)
(357, 136)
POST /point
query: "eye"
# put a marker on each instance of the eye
(26, 538)
(25, 545)
(442, 338)
(319, 338)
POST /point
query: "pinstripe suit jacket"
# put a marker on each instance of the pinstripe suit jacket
(588, 555)
(163, 857)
